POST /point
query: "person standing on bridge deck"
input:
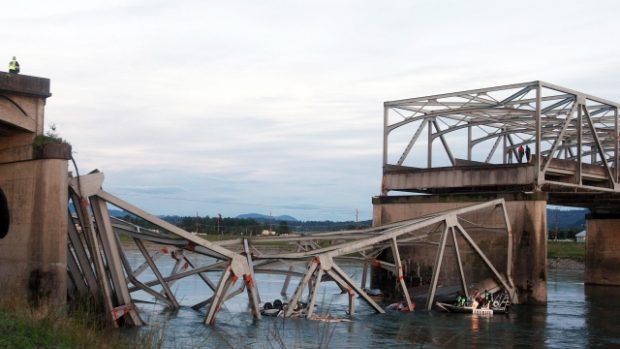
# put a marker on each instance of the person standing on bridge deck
(520, 152)
(14, 66)
(528, 153)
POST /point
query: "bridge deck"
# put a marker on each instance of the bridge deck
(560, 181)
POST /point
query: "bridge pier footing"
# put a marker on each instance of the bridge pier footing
(528, 218)
(603, 249)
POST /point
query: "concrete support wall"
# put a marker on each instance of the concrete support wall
(603, 250)
(33, 254)
(528, 218)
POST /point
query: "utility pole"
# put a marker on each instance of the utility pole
(557, 223)
(219, 219)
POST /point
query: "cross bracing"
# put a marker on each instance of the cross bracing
(98, 261)
(573, 136)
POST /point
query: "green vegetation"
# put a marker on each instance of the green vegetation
(228, 228)
(566, 233)
(50, 136)
(22, 326)
(566, 249)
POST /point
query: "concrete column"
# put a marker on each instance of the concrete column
(33, 254)
(603, 250)
(528, 218)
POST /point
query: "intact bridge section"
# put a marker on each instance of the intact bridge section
(463, 147)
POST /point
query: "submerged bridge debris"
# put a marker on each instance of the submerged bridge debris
(99, 265)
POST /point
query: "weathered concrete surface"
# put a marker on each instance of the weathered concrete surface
(22, 104)
(405, 179)
(33, 254)
(528, 218)
(603, 250)
(467, 176)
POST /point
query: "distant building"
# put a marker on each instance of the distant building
(268, 232)
(581, 236)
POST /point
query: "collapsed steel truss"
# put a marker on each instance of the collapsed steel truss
(98, 262)
(488, 125)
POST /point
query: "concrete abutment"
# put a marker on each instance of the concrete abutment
(33, 248)
(528, 219)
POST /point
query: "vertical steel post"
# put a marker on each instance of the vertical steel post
(438, 261)
(110, 246)
(286, 282)
(385, 135)
(540, 178)
(314, 291)
(400, 275)
(469, 135)
(220, 293)
(429, 150)
(579, 138)
(616, 148)
(460, 263)
(364, 274)
(300, 288)
(505, 148)
(248, 256)
(83, 261)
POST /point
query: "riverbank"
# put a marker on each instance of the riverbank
(22, 326)
(568, 255)
(565, 263)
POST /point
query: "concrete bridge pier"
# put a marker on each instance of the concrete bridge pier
(33, 184)
(603, 249)
(528, 219)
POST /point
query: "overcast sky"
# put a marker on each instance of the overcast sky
(206, 107)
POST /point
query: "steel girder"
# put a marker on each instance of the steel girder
(488, 125)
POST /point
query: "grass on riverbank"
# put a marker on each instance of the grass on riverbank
(566, 249)
(22, 326)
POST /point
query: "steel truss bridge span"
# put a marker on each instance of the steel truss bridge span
(98, 262)
(476, 134)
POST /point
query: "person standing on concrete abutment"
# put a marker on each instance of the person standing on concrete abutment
(520, 153)
(528, 153)
(14, 66)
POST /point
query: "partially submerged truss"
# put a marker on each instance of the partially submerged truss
(98, 262)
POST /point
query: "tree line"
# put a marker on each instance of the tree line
(247, 226)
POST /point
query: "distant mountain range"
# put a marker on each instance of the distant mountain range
(565, 219)
(262, 217)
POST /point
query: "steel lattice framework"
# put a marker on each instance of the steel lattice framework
(576, 134)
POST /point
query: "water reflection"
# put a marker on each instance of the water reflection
(576, 316)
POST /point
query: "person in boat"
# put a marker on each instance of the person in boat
(488, 299)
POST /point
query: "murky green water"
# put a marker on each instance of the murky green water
(575, 317)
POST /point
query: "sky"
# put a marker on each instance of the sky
(276, 107)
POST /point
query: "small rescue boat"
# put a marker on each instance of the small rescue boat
(498, 304)
(451, 308)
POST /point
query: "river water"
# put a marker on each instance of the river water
(577, 316)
